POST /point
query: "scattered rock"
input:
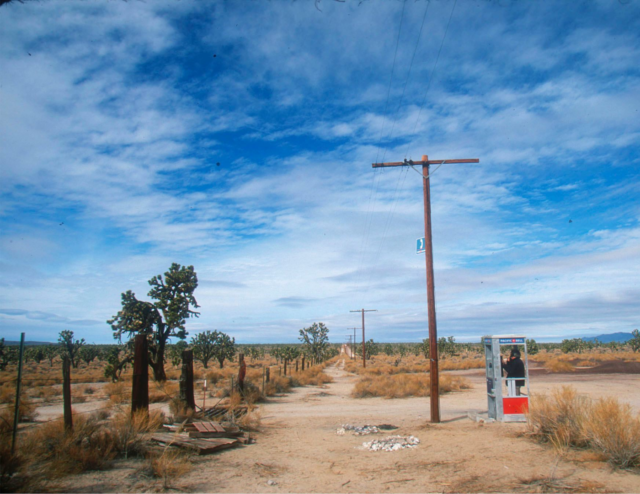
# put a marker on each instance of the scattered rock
(392, 443)
(271, 482)
(357, 430)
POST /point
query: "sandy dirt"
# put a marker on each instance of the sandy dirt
(298, 450)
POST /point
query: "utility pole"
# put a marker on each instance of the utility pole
(349, 344)
(353, 347)
(364, 362)
(428, 247)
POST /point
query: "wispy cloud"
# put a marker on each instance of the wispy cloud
(239, 138)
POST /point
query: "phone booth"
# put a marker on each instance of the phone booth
(507, 400)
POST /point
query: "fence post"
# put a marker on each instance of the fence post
(303, 362)
(268, 374)
(16, 413)
(263, 380)
(285, 367)
(66, 393)
(186, 380)
(242, 372)
(140, 383)
(296, 366)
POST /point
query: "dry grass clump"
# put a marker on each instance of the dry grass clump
(278, 385)
(9, 463)
(250, 421)
(7, 393)
(170, 465)
(117, 392)
(50, 451)
(214, 376)
(163, 391)
(252, 393)
(313, 376)
(180, 410)
(128, 431)
(611, 428)
(56, 452)
(351, 366)
(382, 364)
(559, 418)
(474, 361)
(586, 363)
(405, 385)
(567, 419)
(557, 365)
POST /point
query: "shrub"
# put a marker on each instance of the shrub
(60, 452)
(252, 393)
(405, 385)
(163, 391)
(7, 393)
(611, 429)
(558, 419)
(279, 384)
(117, 392)
(313, 376)
(213, 377)
(557, 365)
(179, 409)
(9, 463)
(250, 421)
(568, 419)
(128, 430)
(170, 465)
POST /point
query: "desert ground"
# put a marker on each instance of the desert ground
(297, 448)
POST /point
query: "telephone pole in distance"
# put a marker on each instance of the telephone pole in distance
(353, 348)
(428, 248)
(364, 362)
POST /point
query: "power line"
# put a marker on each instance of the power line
(402, 177)
(431, 75)
(406, 82)
(369, 217)
(393, 66)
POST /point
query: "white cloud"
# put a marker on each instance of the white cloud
(115, 122)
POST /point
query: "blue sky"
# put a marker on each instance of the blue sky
(239, 136)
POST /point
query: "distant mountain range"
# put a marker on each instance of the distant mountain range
(608, 338)
(27, 343)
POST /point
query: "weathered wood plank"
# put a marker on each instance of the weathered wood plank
(201, 446)
(215, 434)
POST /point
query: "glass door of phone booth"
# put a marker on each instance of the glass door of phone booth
(507, 378)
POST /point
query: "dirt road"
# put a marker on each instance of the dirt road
(298, 449)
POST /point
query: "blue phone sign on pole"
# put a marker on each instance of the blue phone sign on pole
(420, 246)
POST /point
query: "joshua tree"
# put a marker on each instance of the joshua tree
(164, 318)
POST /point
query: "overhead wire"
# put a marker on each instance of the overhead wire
(406, 82)
(424, 99)
(375, 185)
(402, 176)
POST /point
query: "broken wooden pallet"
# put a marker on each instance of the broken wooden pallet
(206, 429)
(201, 446)
(222, 410)
(214, 429)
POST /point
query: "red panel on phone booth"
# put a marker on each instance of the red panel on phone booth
(511, 406)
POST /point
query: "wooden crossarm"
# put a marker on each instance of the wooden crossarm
(420, 163)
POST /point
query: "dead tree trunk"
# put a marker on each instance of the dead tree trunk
(186, 380)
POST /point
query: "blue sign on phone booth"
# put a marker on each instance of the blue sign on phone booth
(420, 246)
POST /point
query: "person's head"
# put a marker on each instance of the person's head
(515, 353)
